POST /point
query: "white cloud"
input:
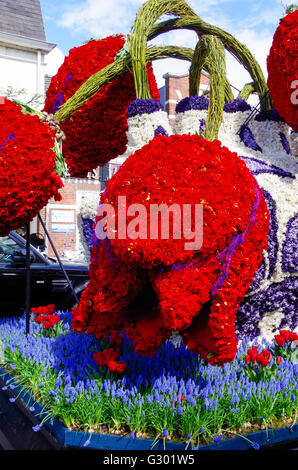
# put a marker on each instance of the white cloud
(53, 61)
(201, 7)
(263, 15)
(100, 18)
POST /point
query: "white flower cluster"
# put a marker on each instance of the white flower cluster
(89, 205)
(141, 129)
(282, 189)
(189, 121)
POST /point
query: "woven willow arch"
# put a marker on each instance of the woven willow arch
(209, 54)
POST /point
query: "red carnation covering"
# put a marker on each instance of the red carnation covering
(96, 133)
(282, 64)
(148, 288)
(27, 162)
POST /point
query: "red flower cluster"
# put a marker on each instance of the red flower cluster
(109, 357)
(147, 288)
(47, 321)
(27, 162)
(262, 358)
(179, 399)
(282, 64)
(95, 133)
(285, 337)
(45, 316)
(48, 310)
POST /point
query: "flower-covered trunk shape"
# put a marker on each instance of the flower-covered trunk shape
(149, 287)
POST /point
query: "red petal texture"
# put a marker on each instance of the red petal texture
(282, 64)
(96, 133)
(27, 177)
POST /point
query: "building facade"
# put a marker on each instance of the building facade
(176, 88)
(23, 48)
(62, 219)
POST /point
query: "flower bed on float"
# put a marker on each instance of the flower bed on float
(172, 397)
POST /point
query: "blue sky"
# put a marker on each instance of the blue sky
(69, 23)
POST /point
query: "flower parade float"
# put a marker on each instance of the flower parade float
(170, 348)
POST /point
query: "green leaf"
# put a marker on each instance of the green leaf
(1, 352)
(291, 8)
(294, 356)
(91, 39)
(26, 109)
(124, 53)
(60, 164)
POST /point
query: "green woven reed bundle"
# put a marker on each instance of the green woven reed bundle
(91, 86)
(212, 48)
(236, 48)
(147, 15)
(198, 64)
(291, 8)
(200, 56)
(228, 92)
(246, 91)
(120, 66)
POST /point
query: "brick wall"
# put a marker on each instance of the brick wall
(61, 217)
(177, 88)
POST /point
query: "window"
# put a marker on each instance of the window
(7, 247)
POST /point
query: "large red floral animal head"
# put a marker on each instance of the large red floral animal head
(27, 162)
(149, 287)
(96, 133)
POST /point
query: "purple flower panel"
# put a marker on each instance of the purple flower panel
(247, 137)
(88, 231)
(289, 249)
(280, 295)
(257, 167)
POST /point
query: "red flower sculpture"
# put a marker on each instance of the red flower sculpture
(282, 64)
(27, 162)
(150, 287)
(95, 133)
